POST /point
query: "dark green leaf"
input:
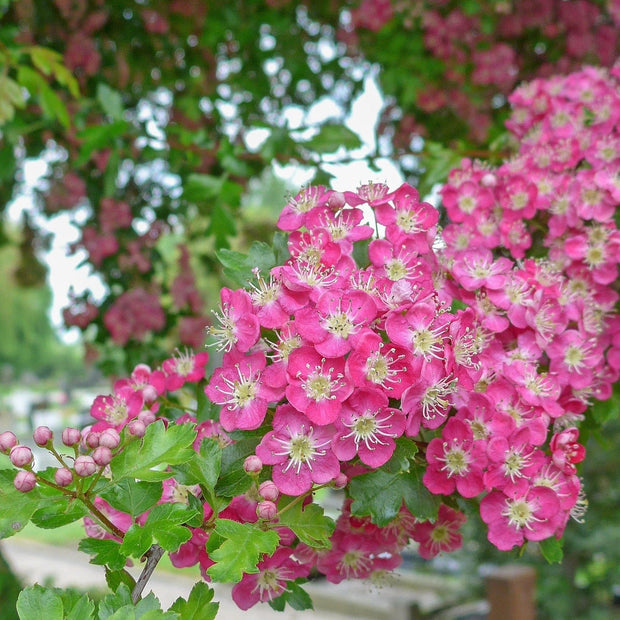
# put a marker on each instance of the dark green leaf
(295, 596)
(105, 552)
(137, 541)
(233, 479)
(57, 511)
(133, 497)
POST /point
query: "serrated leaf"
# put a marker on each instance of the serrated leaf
(233, 479)
(116, 600)
(331, 137)
(132, 496)
(261, 256)
(243, 548)
(16, 508)
(295, 596)
(309, 523)
(82, 609)
(166, 523)
(400, 459)
(36, 602)
(203, 468)
(380, 494)
(551, 549)
(137, 541)
(198, 606)
(104, 552)
(114, 578)
(159, 447)
(56, 511)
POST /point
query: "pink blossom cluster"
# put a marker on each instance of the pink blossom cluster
(484, 50)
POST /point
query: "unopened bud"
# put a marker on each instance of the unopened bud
(63, 476)
(42, 435)
(489, 180)
(71, 436)
(92, 439)
(25, 481)
(266, 510)
(340, 481)
(102, 456)
(146, 416)
(8, 440)
(21, 456)
(109, 438)
(85, 466)
(136, 428)
(252, 464)
(268, 490)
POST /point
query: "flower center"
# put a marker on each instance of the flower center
(456, 461)
(407, 221)
(396, 269)
(340, 325)
(573, 358)
(519, 513)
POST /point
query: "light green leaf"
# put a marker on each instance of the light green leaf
(159, 447)
(111, 101)
(16, 508)
(243, 547)
(308, 523)
(551, 549)
(132, 496)
(198, 606)
(105, 552)
(36, 602)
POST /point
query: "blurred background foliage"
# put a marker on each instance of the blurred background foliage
(165, 131)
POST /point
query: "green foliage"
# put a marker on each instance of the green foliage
(295, 596)
(309, 523)
(144, 458)
(237, 548)
(16, 508)
(198, 606)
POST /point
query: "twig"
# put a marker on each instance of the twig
(153, 555)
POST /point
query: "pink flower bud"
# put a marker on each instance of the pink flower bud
(21, 456)
(340, 481)
(63, 477)
(42, 435)
(136, 428)
(146, 417)
(71, 436)
(92, 439)
(489, 180)
(268, 490)
(25, 481)
(102, 456)
(8, 440)
(109, 438)
(266, 510)
(85, 466)
(252, 464)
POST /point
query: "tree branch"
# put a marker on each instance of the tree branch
(153, 555)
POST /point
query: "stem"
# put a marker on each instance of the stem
(153, 555)
(300, 498)
(102, 518)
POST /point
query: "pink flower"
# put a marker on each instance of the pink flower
(441, 535)
(271, 579)
(317, 385)
(239, 327)
(367, 427)
(117, 409)
(299, 451)
(184, 368)
(533, 514)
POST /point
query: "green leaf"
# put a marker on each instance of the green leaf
(203, 468)
(309, 524)
(233, 479)
(551, 549)
(331, 137)
(12, 91)
(280, 248)
(57, 510)
(200, 187)
(16, 508)
(137, 541)
(36, 602)
(159, 447)
(133, 497)
(405, 450)
(97, 137)
(221, 224)
(53, 106)
(198, 606)
(111, 101)
(114, 578)
(261, 256)
(295, 596)
(380, 494)
(116, 600)
(105, 552)
(166, 522)
(236, 266)
(243, 548)
(605, 410)
(82, 609)
(437, 161)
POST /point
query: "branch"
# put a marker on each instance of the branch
(153, 555)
